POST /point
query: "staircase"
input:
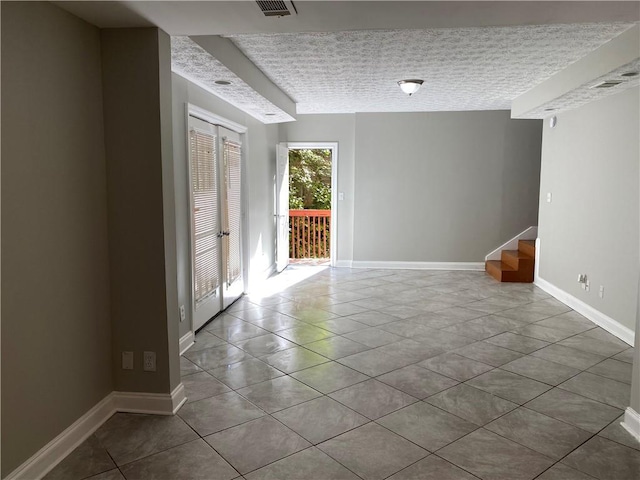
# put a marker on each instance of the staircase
(514, 265)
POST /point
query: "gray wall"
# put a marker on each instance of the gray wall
(443, 187)
(590, 165)
(138, 139)
(332, 128)
(260, 142)
(56, 341)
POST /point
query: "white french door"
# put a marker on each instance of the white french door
(216, 237)
(282, 207)
(231, 148)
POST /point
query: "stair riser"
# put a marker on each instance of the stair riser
(517, 263)
(494, 272)
(510, 276)
(517, 277)
(514, 265)
(526, 248)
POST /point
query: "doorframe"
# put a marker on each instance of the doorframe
(217, 120)
(333, 146)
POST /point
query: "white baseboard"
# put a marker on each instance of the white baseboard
(530, 233)
(609, 324)
(536, 263)
(343, 263)
(631, 422)
(420, 265)
(130, 402)
(151, 403)
(178, 398)
(57, 449)
(186, 341)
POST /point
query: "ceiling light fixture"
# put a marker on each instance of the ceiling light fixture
(630, 74)
(410, 86)
(222, 82)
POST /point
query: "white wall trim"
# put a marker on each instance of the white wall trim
(631, 422)
(609, 324)
(536, 263)
(419, 265)
(530, 233)
(151, 403)
(344, 263)
(178, 398)
(207, 116)
(130, 402)
(186, 341)
(57, 449)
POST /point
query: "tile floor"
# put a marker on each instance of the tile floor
(373, 374)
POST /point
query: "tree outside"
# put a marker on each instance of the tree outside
(310, 179)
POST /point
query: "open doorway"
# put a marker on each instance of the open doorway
(306, 204)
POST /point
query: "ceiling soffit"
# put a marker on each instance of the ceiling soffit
(191, 61)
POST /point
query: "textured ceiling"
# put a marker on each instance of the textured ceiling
(463, 68)
(193, 62)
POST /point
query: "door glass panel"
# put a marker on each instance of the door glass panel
(205, 214)
(232, 159)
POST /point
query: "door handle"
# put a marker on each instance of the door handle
(220, 234)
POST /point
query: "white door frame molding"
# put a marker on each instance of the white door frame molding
(333, 146)
(207, 116)
(282, 207)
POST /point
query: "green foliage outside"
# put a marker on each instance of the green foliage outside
(310, 179)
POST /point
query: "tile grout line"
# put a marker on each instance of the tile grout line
(330, 281)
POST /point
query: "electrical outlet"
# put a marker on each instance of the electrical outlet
(601, 292)
(149, 361)
(183, 315)
(587, 285)
(127, 360)
(549, 197)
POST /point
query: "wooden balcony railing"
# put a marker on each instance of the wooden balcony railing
(309, 233)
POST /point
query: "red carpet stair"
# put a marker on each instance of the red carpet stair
(514, 265)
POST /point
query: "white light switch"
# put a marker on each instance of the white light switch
(549, 197)
(341, 196)
(127, 360)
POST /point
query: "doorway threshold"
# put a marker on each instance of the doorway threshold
(320, 262)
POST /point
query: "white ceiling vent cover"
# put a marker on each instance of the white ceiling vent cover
(608, 84)
(277, 8)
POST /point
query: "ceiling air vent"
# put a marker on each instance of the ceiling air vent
(607, 84)
(277, 8)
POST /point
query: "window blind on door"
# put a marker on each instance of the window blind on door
(232, 152)
(204, 188)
